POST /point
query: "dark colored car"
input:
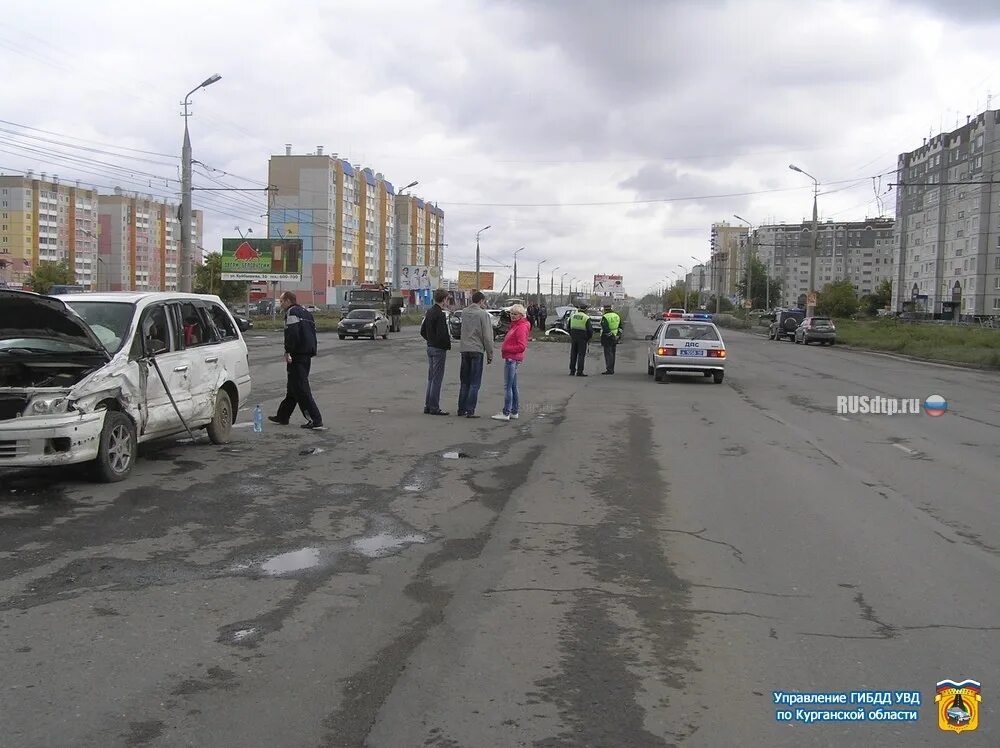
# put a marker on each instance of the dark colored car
(786, 321)
(244, 323)
(455, 324)
(367, 323)
(816, 330)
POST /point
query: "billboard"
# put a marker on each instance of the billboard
(467, 280)
(419, 277)
(262, 260)
(606, 285)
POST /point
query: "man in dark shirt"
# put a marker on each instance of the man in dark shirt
(300, 347)
(435, 331)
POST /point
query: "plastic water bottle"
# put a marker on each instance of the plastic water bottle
(258, 419)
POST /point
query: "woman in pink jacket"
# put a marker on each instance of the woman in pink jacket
(514, 345)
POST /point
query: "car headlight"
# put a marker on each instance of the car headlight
(48, 405)
(370, 324)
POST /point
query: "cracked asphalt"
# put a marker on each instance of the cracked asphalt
(629, 564)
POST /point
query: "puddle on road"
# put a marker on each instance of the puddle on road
(454, 455)
(384, 544)
(312, 451)
(286, 563)
(384, 536)
(243, 635)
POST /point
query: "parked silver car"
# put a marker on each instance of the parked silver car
(368, 323)
(816, 330)
(686, 346)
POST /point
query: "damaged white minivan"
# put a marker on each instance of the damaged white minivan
(88, 377)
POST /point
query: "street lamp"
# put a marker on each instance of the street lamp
(397, 264)
(686, 284)
(477, 254)
(748, 296)
(514, 286)
(561, 279)
(552, 283)
(186, 254)
(811, 307)
(538, 281)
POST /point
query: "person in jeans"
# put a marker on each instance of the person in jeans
(300, 347)
(434, 330)
(514, 345)
(477, 344)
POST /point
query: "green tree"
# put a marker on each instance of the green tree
(724, 304)
(759, 282)
(837, 299)
(208, 279)
(49, 274)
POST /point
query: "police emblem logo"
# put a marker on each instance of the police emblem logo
(958, 705)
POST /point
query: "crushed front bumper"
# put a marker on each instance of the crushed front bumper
(61, 439)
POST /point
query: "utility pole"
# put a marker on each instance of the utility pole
(514, 284)
(186, 255)
(477, 256)
(538, 282)
(811, 307)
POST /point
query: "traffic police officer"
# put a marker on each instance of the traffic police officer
(611, 331)
(580, 332)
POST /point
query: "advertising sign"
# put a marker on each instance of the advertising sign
(262, 260)
(467, 280)
(419, 277)
(606, 285)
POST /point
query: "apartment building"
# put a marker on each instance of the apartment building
(139, 238)
(727, 258)
(859, 251)
(420, 233)
(45, 220)
(354, 228)
(697, 282)
(947, 232)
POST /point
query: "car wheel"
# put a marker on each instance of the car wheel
(831, 342)
(649, 369)
(117, 449)
(385, 335)
(659, 375)
(221, 427)
(341, 336)
(718, 376)
(373, 335)
(707, 373)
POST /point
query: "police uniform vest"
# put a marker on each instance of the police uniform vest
(578, 321)
(614, 322)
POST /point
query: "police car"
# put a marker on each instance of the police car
(686, 346)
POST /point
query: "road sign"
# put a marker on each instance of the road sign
(748, 304)
(811, 299)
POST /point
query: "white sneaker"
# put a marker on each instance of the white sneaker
(514, 416)
(501, 417)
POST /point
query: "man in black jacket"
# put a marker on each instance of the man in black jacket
(435, 331)
(300, 347)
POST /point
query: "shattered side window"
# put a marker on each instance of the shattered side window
(223, 323)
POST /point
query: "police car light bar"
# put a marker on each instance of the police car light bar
(698, 316)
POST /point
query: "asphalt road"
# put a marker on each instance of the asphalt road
(629, 564)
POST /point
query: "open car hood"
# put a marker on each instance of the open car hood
(29, 315)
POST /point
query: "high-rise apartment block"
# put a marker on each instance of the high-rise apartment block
(727, 258)
(947, 232)
(45, 220)
(138, 245)
(858, 251)
(354, 228)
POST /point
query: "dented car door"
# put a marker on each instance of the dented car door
(159, 345)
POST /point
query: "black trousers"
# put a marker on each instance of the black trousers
(577, 352)
(298, 392)
(610, 346)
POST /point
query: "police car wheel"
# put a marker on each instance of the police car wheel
(660, 376)
(341, 336)
(649, 369)
(719, 375)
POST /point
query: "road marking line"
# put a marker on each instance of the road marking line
(905, 449)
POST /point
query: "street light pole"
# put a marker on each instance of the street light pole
(538, 282)
(477, 255)
(561, 293)
(748, 296)
(514, 287)
(397, 261)
(686, 285)
(552, 283)
(186, 255)
(811, 308)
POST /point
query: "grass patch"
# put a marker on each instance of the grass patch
(947, 343)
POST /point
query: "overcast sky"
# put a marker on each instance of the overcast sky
(606, 137)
